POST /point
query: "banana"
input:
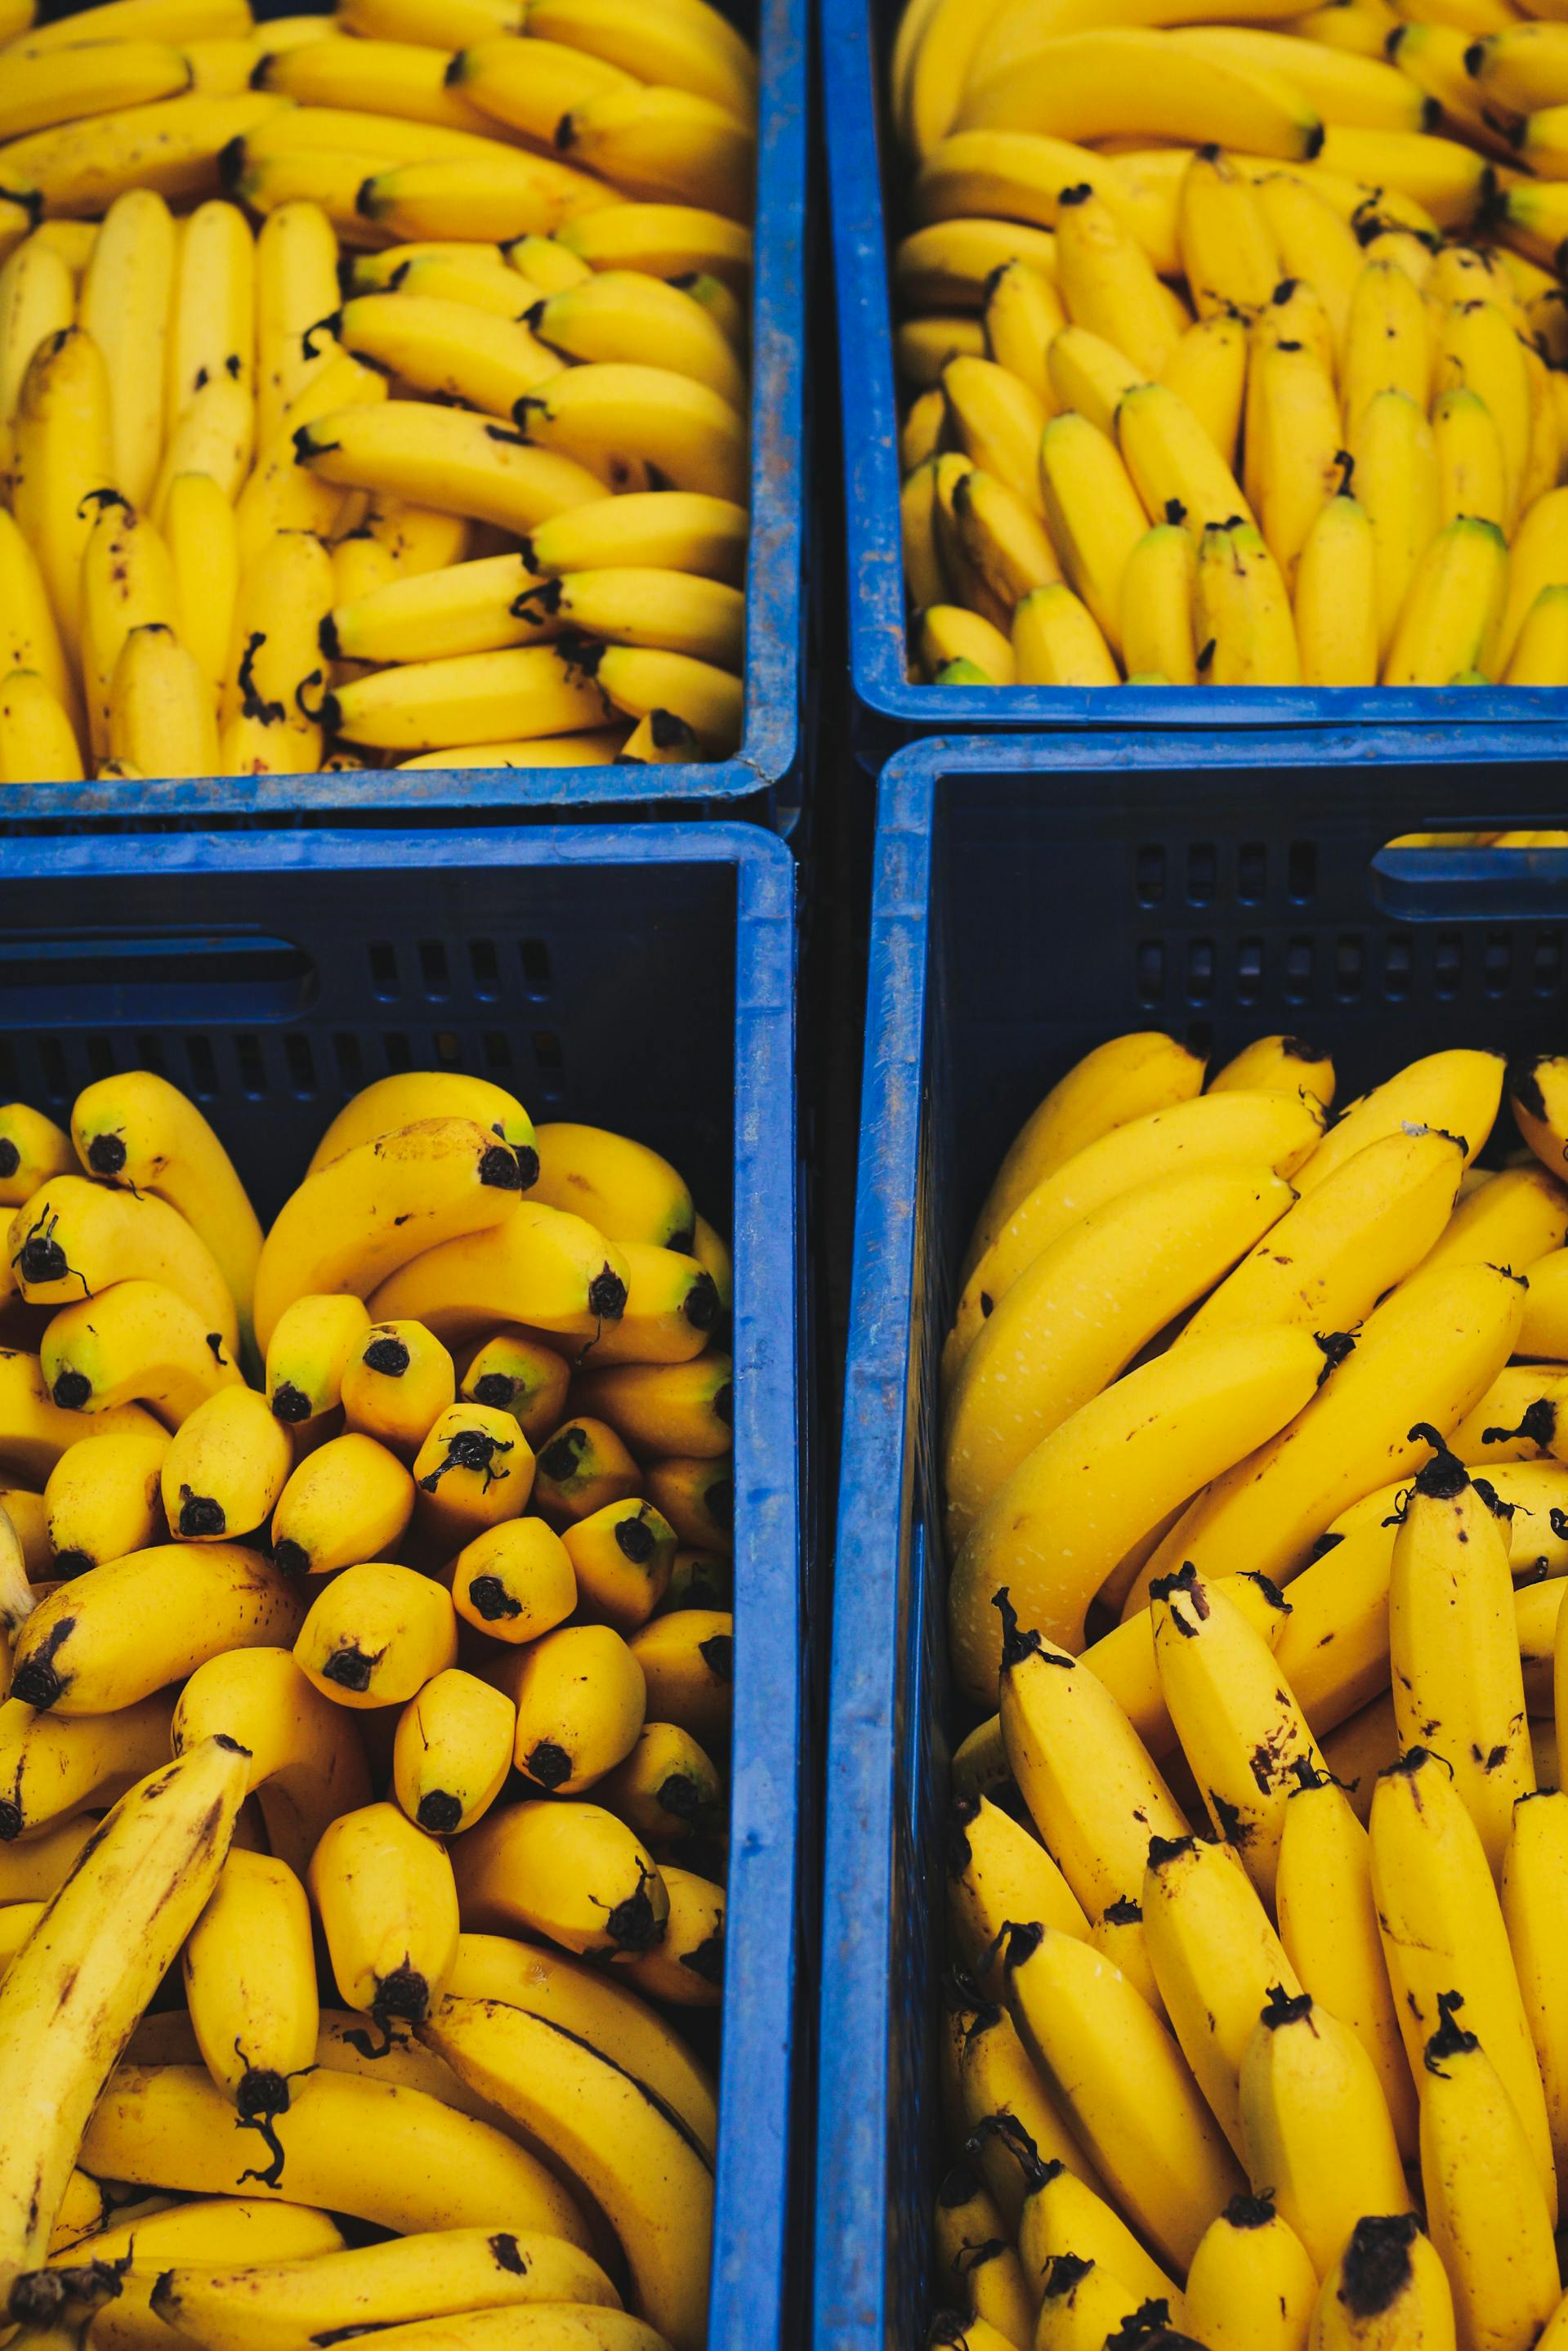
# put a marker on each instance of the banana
(1083, 2303)
(686, 1409)
(1121, 82)
(1540, 650)
(397, 1382)
(677, 529)
(274, 660)
(453, 1751)
(585, 1466)
(160, 719)
(1470, 474)
(1336, 596)
(486, 198)
(649, 2176)
(671, 1309)
(375, 1634)
(188, 1603)
(219, 2228)
(296, 275)
(32, 1149)
(669, 241)
(473, 275)
(1452, 1596)
(37, 741)
(1182, 1418)
(607, 412)
(149, 1869)
(1096, 1824)
(36, 1867)
(1443, 1931)
(972, 2249)
(1455, 1092)
(397, 2157)
(1536, 561)
(1250, 2286)
(215, 435)
(1450, 618)
(380, 1109)
(1257, 1127)
(545, 265)
(1316, 2126)
(1451, 183)
(250, 1986)
(644, 683)
(529, 91)
(170, 147)
(621, 1557)
(950, 636)
(667, 1789)
(567, 1870)
(1329, 1925)
(1131, 2099)
(1229, 255)
(46, 86)
(1387, 346)
(442, 458)
(1314, 243)
(558, 2326)
(664, 145)
(1236, 1719)
(30, 636)
(1388, 2290)
(63, 454)
(1245, 633)
(673, 610)
(1490, 2225)
(467, 608)
(996, 2075)
(35, 1430)
(474, 1470)
(1215, 1957)
(306, 1765)
(1173, 463)
(270, 2306)
(514, 1581)
(20, 1556)
(1439, 1340)
(74, 1238)
(1207, 370)
(1107, 283)
(51, 1766)
(127, 582)
(348, 1501)
(685, 1967)
(1092, 514)
(1528, 1488)
(212, 321)
(225, 1469)
(1293, 441)
(1001, 544)
(690, 47)
(996, 420)
(1530, 1877)
(353, 1224)
(698, 1498)
(38, 298)
(1479, 350)
(515, 1373)
(1022, 314)
(448, 349)
(126, 296)
(1060, 2211)
(1076, 1317)
(398, 78)
(1538, 1096)
(387, 1904)
(625, 315)
(543, 1267)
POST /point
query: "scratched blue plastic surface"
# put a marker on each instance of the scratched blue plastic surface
(1031, 900)
(641, 977)
(867, 175)
(763, 778)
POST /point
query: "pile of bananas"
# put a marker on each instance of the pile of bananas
(406, 1679)
(1237, 353)
(443, 464)
(1257, 2035)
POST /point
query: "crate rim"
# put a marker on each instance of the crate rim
(763, 2040)
(767, 768)
(888, 708)
(874, 1531)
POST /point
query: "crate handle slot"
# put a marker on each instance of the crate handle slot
(1447, 885)
(208, 978)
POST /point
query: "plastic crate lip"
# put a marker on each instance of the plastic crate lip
(857, 132)
(876, 1537)
(775, 604)
(752, 2264)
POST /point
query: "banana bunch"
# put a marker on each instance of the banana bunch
(366, 1637)
(373, 389)
(1254, 1449)
(1235, 354)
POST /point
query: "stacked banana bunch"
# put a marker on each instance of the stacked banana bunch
(1235, 354)
(405, 1680)
(373, 388)
(1257, 2034)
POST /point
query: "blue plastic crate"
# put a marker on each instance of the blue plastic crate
(1220, 887)
(868, 179)
(642, 978)
(763, 780)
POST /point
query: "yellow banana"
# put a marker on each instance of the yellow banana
(399, 78)
(1453, 611)
(38, 298)
(1107, 282)
(1251, 2286)
(32, 1149)
(1329, 1925)
(187, 1602)
(1158, 605)
(1316, 2126)
(446, 458)
(1101, 85)
(1540, 650)
(63, 454)
(694, 48)
(542, 1267)
(102, 1499)
(1490, 2225)
(585, 1466)
(1536, 561)
(29, 635)
(200, 531)
(170, 147)
(1336, 596)
(1530, 1878)
(1083, 2303)
(1388, 2290)
(505, 194)
(51, 1766)
(75, 1236)
(1022, 314)
(1092, 514)
(1215, 1957)
(448, 349)
(568, 1870)
(1246, 635)
(306, 1765)
(397, 1382)
(1208, 370)
(375, 1634)
(35, 1430)
(685, 1967)
(274, 666)
(394, 2155)
(38, 742)
(1387, 345)
(296, 288)
(621, 1556)
(467, 608)
(1470, 476)
(950, 636)
(126, 296)
(1229, 255)
(474, 1469)
(688, 1660)
(664, 145)
(1293, 441)
(1173, 463)
(53, 86)
(1314, 243)
(161, 720)
(388, 1905)
(520, 1375)
(149, 1869)
(250, 1986)
(530, 90)
(1479, 350)
(212, 322)
(453, 1751)
(225, 1467)
(973, 2252)
(1117, 2073)
(380, 1109)
(127, 582)
(514, 1581)
(680, 529)
(1057, 1527)
(308, 1353)
(996, 1873)
(1457, 1091)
